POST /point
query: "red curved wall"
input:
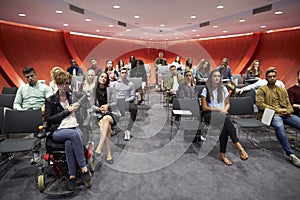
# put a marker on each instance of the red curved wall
(26, 46)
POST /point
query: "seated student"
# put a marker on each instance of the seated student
(62, 123)
(190, 67)
(225, 69)
(138, 70)
(88, 85)
(74, 69)
(276, 98)
(52, 83)
(172, 83)
(215, 105)
(33, 94)
(254, 71)
(112, 73)
(294, 95)
(102, 103)
(94, 66)
(124, 89)
(187, 89)
(203, 71)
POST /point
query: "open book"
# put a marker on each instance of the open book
(267, 116)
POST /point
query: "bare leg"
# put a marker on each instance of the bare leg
(107, 144)
(105, 128)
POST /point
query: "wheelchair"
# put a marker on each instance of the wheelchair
(52, 170)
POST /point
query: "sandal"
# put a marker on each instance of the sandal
(243, 154)
(225, 160)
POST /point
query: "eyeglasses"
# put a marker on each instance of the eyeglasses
(29, 76)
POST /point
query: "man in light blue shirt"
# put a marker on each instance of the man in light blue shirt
(33, 94)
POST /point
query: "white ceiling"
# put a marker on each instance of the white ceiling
(174, 14)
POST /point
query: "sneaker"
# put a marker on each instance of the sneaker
(125, 136)
(202, 138)
(69, 184)
(127, 132)
(86, 176)
(295, 160)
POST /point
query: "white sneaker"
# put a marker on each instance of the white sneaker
(202, 138)
(127, 133)
(125, 136)
(295, 160)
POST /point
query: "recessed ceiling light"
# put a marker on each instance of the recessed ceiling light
(116, 6)
(146, 33)
(193, 17)
(127, 29)
(219, 7)
(242, 20)
(215, 26)
(66, 24)
(225, 31)
(162, 25)
(22, 14)
(88, 20)
(279, 12)
(136, 16)
(197, 35)
(194, 30)
(150, 39)
(166, 39)
(97, 30)
(59, 11)
(110, 25)
(263, 26)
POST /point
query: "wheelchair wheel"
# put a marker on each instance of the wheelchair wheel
(41, 182)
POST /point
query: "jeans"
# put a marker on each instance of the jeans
(278, 124)
(73, 147)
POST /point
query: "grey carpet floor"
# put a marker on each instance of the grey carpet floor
(151, 166)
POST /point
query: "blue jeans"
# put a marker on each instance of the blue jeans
(278, 124)
(73, 147)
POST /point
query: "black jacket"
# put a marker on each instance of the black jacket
(55, 113)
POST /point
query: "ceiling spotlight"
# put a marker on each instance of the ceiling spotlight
(110, 25)
(225, 31)
(127, 29)
(263, 26)
(136, 16)
(59, 11)
(22, 14)
(116, 6)
(66, 24)
(193, 17)
(219, 7)
(97, 30)
(194, 30)
(88, 20)
(215, 26)
(162, 25)
(279, 12)
(197, 35)
(242, 20)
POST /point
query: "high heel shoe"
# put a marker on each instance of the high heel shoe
(225, 159)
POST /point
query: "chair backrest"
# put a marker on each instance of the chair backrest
(164, 70)
(121, 106)
(7, 100)
(148, 68)
(22, 121)
(137, 81)
(9, 90)
(241, 106)
(251, 93)
(187, 104)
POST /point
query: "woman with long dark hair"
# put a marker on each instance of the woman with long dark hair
(215, 105)
(106, 119)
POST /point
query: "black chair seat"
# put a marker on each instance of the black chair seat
(54, 146)
(249, 123)
(17, 145)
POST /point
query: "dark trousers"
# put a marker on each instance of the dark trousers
(133, 112)
(224, 124)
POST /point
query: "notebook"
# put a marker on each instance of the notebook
(267, 116)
